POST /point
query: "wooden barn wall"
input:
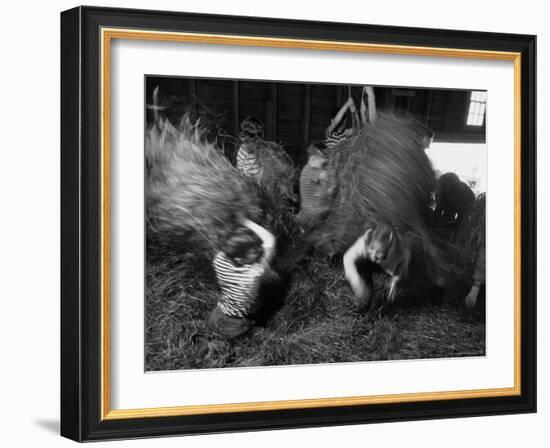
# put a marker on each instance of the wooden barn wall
(295, 114)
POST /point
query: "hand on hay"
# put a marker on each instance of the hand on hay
(361, 290)
(471, 299)
(393, 288)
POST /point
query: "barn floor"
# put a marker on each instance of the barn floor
(314, 322)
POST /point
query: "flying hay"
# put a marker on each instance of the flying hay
(193, 193)
(277, 185)
(381, 175)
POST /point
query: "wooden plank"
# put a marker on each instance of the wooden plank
(274, 93)
(268, 106)
(307, 113)
(236, 117)
(193, 96)
(428, 108)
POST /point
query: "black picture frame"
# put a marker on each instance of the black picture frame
(81, 224)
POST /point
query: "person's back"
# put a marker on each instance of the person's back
(240, 266)
(247, 161)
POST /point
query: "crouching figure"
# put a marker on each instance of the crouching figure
(240, 266)
(381, 245)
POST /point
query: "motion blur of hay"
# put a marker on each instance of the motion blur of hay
(193, 196)
(192, 190)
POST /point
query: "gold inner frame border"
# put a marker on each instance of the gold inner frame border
(107, 35)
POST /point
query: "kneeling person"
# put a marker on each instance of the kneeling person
(240, 267)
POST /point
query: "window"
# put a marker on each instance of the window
(467, 160)
(476, 112)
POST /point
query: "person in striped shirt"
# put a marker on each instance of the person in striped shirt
(313, 183)
(339, 128)
(240, 266)
(252, 131)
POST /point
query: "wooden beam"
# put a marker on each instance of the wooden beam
(274, 94)
(428, 108)
(236, 110)
(307, 113)
(193, 96)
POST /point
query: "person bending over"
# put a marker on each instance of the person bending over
(240, 266)
(339, 128)
(381, 245)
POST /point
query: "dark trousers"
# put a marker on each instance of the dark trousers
(228, 326)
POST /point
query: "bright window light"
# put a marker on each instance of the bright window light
(467, 160)
(476, 111)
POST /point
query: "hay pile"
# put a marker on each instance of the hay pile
(276, 187)
(193, 193)
(381, 175)
(316, 323)
(278, 171)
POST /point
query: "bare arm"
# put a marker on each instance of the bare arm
(371, 103)
(355, 120)
(363, 111)
(358, 285)
(368, 110)
(338, 117)
(479, 277)
(312, 174)
(268, 239)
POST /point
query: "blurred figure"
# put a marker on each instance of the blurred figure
(241, 265)
(313, 183)
(252, 132)
(341, 127)
(470, 237)
(384, 246)
(453, 199)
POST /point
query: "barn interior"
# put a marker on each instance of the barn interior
(313, 321)
(295, 114)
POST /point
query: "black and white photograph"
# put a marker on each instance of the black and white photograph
(293, 223)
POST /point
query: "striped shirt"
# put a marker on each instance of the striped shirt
(240, 285)
(336, 137)
(247, 162)
(311, 189)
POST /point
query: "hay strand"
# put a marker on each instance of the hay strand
(381, 175)
(193, 193)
